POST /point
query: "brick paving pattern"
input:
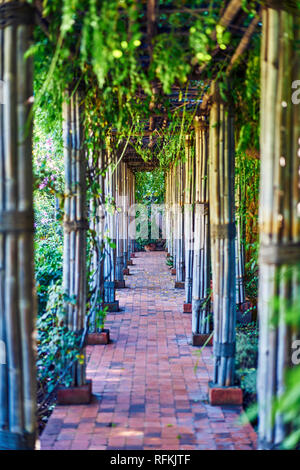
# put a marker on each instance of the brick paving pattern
(149, 384)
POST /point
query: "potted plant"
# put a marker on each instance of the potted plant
(146, 244)
(150, 246)
(101, 335)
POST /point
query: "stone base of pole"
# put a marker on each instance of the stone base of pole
(179, 285)
(201, 339)
(120, 284)
(126, 272)
(173, 271)
(129, 262)
(98, 338)
(75, 395)
(112, 306)
(187, 308)
(219, 396)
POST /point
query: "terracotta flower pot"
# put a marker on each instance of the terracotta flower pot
(150, 247)
(98, 338)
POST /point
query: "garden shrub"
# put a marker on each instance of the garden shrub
(57, 345)
(48, 262)
(246, 361)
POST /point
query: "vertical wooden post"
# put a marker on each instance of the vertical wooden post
(278, 211)
(17, 299)
(201, 271)
(188, 222)
(75, 227)
(222, 227)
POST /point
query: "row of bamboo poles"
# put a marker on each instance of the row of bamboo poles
(204, 242)
(187, 204)
(119, 192)
(215, 225)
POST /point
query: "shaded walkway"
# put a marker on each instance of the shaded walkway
(147, 392)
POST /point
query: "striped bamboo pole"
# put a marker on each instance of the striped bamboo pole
(239, 251)
(278, 211)
(75, 222)
(110, 235)
(119, 227)
(94, 258)
(96, 221)
(125, 214)
(201, 269)
(17, 299)
(188, 218)
(179, 240)
(131, 214)
(173, 215)
(167, 213)
(222, 228)
(169, 225)
(131, 202)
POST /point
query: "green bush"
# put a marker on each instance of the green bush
(246, 361)
(48, 262)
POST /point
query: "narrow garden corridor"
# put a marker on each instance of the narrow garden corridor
(147, 393)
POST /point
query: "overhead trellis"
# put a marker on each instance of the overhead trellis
(145, 61)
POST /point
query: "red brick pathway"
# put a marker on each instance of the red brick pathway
(147, 392)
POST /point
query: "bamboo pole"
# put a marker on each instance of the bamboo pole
(124, 214)
(201, 268)
(131, 202)
(110, 236)
(75, 223)
(179, 232)
(222, 228)
(278, 212)
(167, 217)
(119, 224)
(17, 299)
(239, 250)
(188, 218)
